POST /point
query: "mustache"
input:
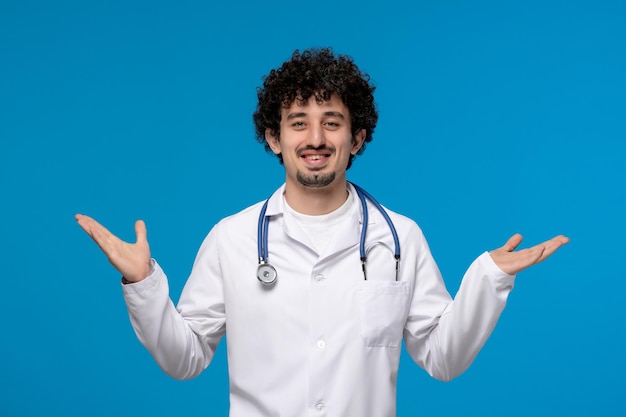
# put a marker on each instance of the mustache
(322, 148)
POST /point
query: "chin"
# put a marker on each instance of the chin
(316, 180)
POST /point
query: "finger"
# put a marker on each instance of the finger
(98, 233)
(534, 255)
(512, 243)
(553, 244)
(542, 251)
(141, 232)
(559, 240)
(527, 257)
(83, 221)
(89, 225)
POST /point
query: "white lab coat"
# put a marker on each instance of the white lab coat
(321, 341)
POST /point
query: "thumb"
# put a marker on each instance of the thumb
(141, 232)
(512, 243)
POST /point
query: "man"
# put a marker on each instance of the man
(324, 337)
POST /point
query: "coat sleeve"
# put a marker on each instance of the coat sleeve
(444, 335)
(181, 339)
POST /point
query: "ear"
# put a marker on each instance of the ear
(357, 141)
(273, 141)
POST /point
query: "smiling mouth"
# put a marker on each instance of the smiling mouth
(313, 154)
(315, 157)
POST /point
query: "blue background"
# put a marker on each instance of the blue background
(495, 118)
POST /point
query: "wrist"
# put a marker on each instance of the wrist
(146, 274)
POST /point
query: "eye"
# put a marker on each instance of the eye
(332, 125)
(298, 124)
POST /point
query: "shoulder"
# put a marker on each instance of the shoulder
(402, 223)
(233, 233)
(246, 219)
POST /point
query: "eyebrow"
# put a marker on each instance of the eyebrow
(340, 115)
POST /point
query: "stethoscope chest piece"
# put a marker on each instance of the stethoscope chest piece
(266, 273)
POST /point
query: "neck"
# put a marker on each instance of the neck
(316, 201)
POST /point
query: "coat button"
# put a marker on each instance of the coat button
(319, 277)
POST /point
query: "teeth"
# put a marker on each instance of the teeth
(314, 157)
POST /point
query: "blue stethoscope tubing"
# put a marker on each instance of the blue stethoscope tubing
(267, 274)
(363, 195)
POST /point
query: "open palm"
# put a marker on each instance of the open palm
(132, 260)
(512, 262)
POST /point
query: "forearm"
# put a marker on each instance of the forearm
(162, 329)
(466, 322)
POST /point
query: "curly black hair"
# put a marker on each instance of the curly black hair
(318, 73)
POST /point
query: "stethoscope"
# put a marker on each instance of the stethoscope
(266, 273)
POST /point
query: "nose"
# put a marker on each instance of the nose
(316, 137)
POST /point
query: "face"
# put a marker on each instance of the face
(316, 142)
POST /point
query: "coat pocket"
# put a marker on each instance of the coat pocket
(383, 309)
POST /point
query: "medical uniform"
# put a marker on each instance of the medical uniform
(321, 341)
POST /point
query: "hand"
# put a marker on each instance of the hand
(131, 260)
(514, 262)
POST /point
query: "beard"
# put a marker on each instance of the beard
(315, 180)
